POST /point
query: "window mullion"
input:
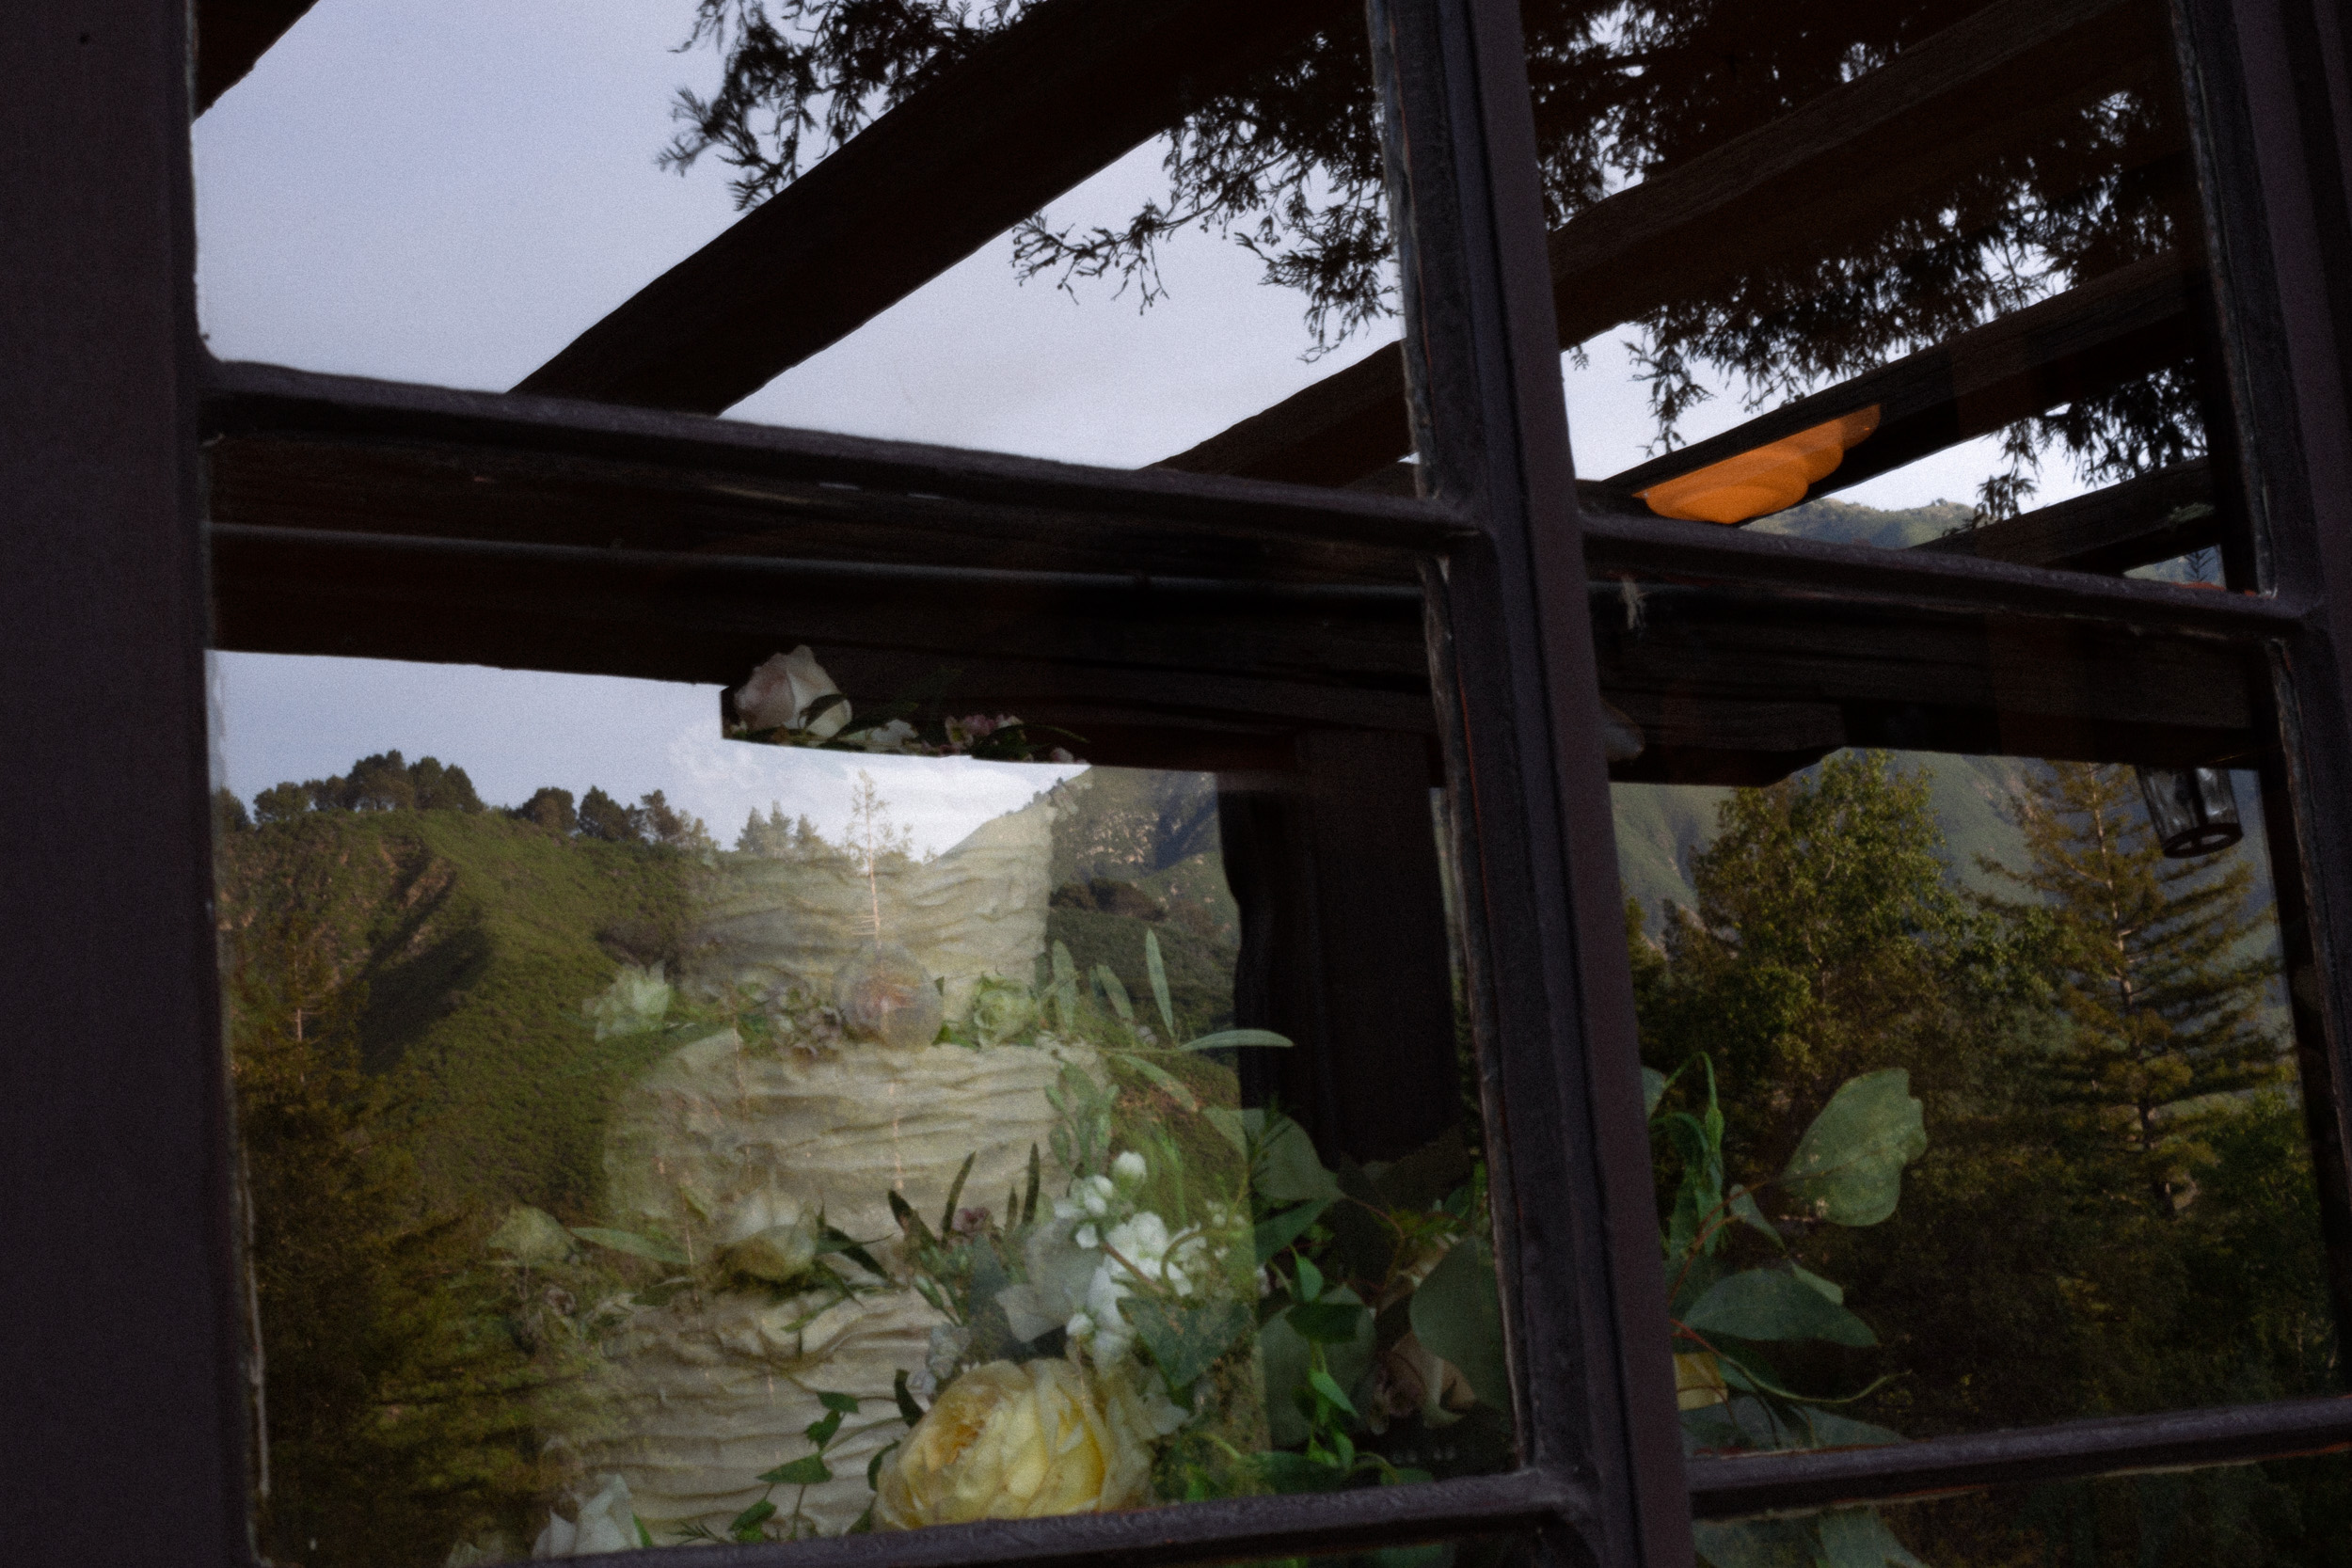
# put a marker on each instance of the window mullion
(1514, 657)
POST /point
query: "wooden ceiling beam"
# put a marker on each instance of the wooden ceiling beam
(1068, 89)
(2133, 321)
(1783, 192)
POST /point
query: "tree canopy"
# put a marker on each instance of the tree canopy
(1288, 166)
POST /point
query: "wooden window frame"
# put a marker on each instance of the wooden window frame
(128, 1437)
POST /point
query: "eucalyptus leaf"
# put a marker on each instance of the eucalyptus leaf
(1325, 1323)
(1754, 1543)
(1858, 1538)
(1287, 1170)
(1228, 1039)
(1115, 992)
(746, 1527)
(808, 1470)
(1286, 1358)
(1164, 1079)
(954, 1195)
(1325, 1386)
(1848, 1167)
(1229, 1122)
(1157, 970)
(1829, 1287)
(1185, 1341)
(908, 1411)
(635, 1246)
(1653, 1090)
(1272, 1234)
(1458, 1316)
(1769, 1304)
(1742, 1205)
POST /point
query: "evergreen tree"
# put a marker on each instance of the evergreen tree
(2155, 965)
(550, 808)
(390, 1430)
(1825, 942)
(440, 788)
(602, 816)
(281, 802)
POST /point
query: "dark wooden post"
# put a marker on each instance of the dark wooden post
(121, 1348)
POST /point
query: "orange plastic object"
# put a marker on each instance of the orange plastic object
(1765, 480)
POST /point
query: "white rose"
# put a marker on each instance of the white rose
(897, 736)
(606, 1523)
(780, 691)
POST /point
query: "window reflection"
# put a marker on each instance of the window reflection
(917, 1152)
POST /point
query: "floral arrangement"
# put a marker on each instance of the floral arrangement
(1206, 1310)
(1179, 1300)
(791, 701)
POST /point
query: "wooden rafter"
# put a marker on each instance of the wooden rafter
(1068, 89)
(1776, 195)
(2128, 322)
(2153, 517)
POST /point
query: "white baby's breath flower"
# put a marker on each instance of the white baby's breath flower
(1128, 1170)
(896, 736)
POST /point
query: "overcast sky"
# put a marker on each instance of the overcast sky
(429, 191)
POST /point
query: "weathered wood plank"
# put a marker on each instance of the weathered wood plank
(1785, 190)
(294, 450)
(2153, 517)
(1069, 88)
(2126, 324)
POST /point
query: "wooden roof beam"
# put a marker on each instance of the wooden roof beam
(1068, 89)
(2126, 324)
(1785, 191)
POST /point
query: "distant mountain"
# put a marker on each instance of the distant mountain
(1839, 522)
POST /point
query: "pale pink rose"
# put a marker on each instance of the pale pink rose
(780, 691)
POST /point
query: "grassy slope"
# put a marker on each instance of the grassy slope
(478, 938)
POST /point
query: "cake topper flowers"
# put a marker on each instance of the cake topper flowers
(791, 701)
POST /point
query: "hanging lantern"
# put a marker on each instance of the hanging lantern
(2194, 810)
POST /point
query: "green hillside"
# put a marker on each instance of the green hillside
(477, 937)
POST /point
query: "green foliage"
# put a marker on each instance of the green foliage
(470, 940)
(381, 783)
(1848, 1169)
(2149, 961)
(390, 1410)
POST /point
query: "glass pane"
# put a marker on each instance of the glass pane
(1973, 1072)
(1923, 275)
(2282, 1514)
(672, 1113)
(453, 196)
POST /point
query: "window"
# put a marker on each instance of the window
(1944, 242)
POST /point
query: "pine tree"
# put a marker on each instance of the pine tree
(387, 1395)
(2154, 964)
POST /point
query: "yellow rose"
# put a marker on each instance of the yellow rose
(1700, 1381)
(1008, 1441)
